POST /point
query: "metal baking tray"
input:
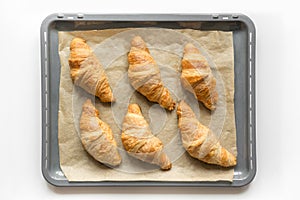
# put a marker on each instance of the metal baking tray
(244, 71)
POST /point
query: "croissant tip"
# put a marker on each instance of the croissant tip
(137, 37)
(113, 99)
(90, 108)
(77, 40)
(87, 103)
(116, 162)
(232, 164)
(108, 98)
(134, 108)
(190, 48)
(181, 103)
(189, 45)
(139, 43)
(179, 108)
(172, 106)
(211, 108)
(167, 167)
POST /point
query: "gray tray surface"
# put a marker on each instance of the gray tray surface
(244, 68)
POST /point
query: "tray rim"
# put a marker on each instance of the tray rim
(218, 17)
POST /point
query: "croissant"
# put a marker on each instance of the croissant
(139, 142)
(97, 137)
(87, 72)
(196, 77)
(199, 141)
(144, 75)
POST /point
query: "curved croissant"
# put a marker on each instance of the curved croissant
(197, 77)
(97, 137)
(144, 75)
(87, 72)
(199, 141)
(139, 142)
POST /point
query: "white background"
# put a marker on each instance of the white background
(278, 81)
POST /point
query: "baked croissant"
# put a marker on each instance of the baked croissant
(97, 137)
(144, 75)
(87, 72)
(196, 77)
(139, 142)
(199, 141)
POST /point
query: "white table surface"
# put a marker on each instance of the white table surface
(278, 112)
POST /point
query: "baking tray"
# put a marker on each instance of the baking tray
(244, 71)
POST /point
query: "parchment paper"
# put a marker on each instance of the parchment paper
(166, 46)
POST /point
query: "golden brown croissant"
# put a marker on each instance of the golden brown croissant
(87, 72)
(197, 77)
(144, 75)
(139, 142)
(199, 141)
(97, 137)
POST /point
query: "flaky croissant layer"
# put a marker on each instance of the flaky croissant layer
(144, 75)
(139, 142)
(199, 141)
(97, 137)
(87, 72)
(196, 77)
